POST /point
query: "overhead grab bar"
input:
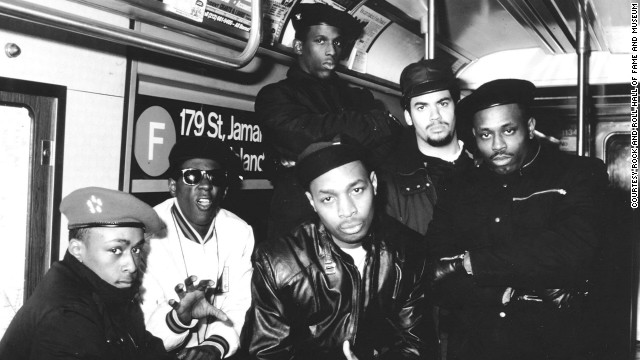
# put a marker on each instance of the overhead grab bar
(70, 22)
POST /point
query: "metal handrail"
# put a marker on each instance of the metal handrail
(42, 15)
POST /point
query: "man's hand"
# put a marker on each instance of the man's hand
(193, 303)
(446, 266)
(346, 348)
(202, 352)
(563, 298)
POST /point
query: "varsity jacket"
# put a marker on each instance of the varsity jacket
(224, 256)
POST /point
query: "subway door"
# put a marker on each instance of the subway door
(29, 117)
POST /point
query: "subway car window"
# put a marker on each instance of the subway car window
(16, 150)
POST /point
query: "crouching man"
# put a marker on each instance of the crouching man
(86, 306)
(347, 284)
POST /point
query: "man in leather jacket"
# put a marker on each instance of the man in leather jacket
(348, 284)
(313, 103)
(430, 150)
(514, 238)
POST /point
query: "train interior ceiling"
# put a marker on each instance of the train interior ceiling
(84, 82)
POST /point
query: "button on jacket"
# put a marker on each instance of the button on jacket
(537, 228)
(308, 297)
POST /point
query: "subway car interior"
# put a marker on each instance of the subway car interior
(95, 93)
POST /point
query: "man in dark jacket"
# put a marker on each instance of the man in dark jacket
(86, 307)
(349, 284)
(430, 150)
(515, 237)
(313, 103)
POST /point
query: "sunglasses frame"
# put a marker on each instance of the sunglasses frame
(210, 174)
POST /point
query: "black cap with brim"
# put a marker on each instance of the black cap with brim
(305, 15)
(98, 207)
(322, 157)
(425, 76)
(495, 93)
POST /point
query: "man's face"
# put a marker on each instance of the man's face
(199, 203)
(319, 53)
(112, 253)
(343, 199)
(433, 116)
(501, 133)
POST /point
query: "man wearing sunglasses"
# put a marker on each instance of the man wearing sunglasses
(202, 241)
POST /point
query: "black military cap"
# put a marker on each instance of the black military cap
(305, 15)
(426, 76)
(494, 93)
(204, 147)
(324, 156)
(99, 207)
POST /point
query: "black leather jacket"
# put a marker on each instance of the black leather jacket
(308, 297)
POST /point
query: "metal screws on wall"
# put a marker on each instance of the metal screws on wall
(12, 50)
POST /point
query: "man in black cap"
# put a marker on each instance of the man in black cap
(348, 283)
(430, 150)
(86, 305)
(313, 103)
(202, 240)
(514, 238)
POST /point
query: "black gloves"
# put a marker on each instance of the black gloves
(557, 298)
(446, 266)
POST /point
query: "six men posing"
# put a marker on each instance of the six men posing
(508, 245)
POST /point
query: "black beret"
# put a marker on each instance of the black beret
(321, 157)
(204, 147)
(425, 76)
(305, 15)
(99, 207)
(494, 93)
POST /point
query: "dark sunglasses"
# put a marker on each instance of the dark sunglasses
(193, 177)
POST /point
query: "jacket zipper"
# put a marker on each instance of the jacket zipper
(356, 303)
(559, 191)
(396, 288)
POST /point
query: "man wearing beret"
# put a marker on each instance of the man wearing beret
(86, 305)
(514, 238)
(347, 284)
(430, 150)
(314, 103)
(201, 241)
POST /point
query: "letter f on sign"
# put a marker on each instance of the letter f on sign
(154, 139)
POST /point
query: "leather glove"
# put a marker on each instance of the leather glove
(562, 298)
(447, 266)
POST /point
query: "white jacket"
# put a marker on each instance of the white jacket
(172, 257)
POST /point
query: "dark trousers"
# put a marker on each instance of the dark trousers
(522, 330)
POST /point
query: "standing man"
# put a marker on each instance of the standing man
(430, 150)
(86, 306)
(313, 103)
(204, 241)
(347, 284)
(514, 238)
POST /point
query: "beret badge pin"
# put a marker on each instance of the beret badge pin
(94, 204)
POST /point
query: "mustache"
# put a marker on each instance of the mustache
(501, 153)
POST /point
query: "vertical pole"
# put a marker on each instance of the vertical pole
(428, 27)
(582, 49)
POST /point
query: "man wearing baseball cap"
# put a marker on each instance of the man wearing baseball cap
(313, 103)
(515, 238)
(430, 150)
(202, 241)
(346, 284)
(86, 305)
